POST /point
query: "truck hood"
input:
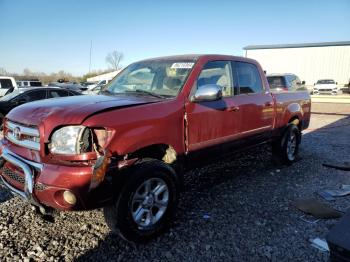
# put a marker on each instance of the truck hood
(74, 109)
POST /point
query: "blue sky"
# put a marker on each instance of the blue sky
(55, 35)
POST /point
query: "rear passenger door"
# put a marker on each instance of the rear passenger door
(256, 106)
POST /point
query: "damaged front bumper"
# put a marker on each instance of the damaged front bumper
(26, 167)
(46, 185)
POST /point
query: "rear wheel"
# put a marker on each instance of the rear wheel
(146, 203)
(286, 148)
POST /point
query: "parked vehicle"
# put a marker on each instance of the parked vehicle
(96, 90)
(29, 83)
(126, 150)
(88, 85)
(285, 82)
(326, 86)
(25, 95)
(100, 83)
(69, 85)
(7, 85)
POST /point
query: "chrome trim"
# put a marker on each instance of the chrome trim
(14, 190)
(24, 130)
(25, 143)
(16, 130)
(25, 165)
(36, 165)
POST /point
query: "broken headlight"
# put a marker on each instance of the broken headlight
(71, 140)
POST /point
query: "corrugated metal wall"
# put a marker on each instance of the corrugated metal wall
(309, 63)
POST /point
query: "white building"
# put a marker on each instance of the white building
(311, 62)
(106, 76)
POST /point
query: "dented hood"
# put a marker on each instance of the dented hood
(74, 109)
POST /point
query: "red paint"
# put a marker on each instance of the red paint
(138, 122)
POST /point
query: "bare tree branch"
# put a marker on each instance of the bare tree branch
(113, 59)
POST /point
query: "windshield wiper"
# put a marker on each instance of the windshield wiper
(140, 91)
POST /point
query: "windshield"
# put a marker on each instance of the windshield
(158, 78)
(10, 96)
(325, 82)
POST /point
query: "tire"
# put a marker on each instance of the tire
(286, 148)
(138, 216)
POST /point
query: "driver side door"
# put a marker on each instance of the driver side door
(213, 123)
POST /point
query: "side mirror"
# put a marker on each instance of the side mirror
(336, 83)
(209, 92)
(303, 82)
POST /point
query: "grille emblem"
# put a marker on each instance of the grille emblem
(17, 133)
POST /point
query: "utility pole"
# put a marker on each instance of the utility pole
(90, 56)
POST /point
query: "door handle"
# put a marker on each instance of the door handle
(232, 109)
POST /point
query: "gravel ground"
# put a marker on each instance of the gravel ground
(236, 210)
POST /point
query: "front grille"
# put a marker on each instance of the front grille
(22, 135)
(13, 175)
(9, 173)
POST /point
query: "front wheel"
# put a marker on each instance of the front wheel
(286, 148)
(146, 203)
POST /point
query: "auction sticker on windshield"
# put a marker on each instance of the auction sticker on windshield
(182, 65)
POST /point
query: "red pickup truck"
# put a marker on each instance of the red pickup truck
(126, 149)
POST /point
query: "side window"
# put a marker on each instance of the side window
(57, 93)
(249, 80)
(25, 83)
(32, 96)
(6, 83)
(217, 73)
(292, 82)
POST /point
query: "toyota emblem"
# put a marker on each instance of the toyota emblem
(17, 133)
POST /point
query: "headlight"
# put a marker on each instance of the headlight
(71, 140)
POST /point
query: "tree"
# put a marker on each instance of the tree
(3, 72)
(113, 59)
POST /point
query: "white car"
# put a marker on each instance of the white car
(7, 85)
(29, 83)
(326, 86)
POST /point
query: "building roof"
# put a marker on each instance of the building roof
(321, 44)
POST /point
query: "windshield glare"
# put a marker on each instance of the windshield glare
(161, 78)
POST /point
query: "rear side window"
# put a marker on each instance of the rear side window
(6, 83)
(217, 73)
(57, 93)
(276, 81)
(248, 77)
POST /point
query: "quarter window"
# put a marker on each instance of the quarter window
(217, 73)
(249, 80)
